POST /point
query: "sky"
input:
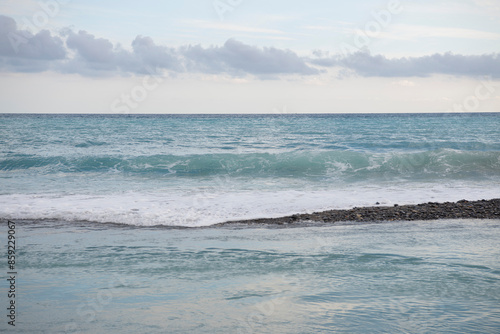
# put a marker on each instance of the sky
(242, 56)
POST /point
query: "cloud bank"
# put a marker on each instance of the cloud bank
(85, 54)
(367, 65)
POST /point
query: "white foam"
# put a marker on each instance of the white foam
(192, 209)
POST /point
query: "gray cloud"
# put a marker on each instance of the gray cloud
(83, 53)
(22, 51)
(364, 64)
(149, 54)
(239, 59)
(93, 50)
(98, 55)
(94, 56)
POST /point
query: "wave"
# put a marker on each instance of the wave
(212, 206)
(90, 143)
(348, 165)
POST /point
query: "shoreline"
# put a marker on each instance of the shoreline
(463, 209)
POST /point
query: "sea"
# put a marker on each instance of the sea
(116, 223)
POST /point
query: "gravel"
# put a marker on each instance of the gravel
(483, 209)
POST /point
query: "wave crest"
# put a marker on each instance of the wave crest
(350, 165)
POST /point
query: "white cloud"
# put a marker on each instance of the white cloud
(404, 83)
(414, 32)
(338, 26)
(490, 8)
(19, 7)
(231, 27)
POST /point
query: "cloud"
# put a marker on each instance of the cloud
(233, 58)
(404, 83)
(238, 59)
(367, 65)
(232, 27)
(83, 53)
(89, 55)
(98, 55)
(22, 51)
(414, 32)
(149, 54)
(93, 50)
(490, 8)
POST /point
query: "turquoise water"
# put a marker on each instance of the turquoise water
(402, 277)
(114, 213)
(198, 170)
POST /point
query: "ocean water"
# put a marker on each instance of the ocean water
(200, 170)
(115, 219)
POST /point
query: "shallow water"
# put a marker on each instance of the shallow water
(408, 277)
